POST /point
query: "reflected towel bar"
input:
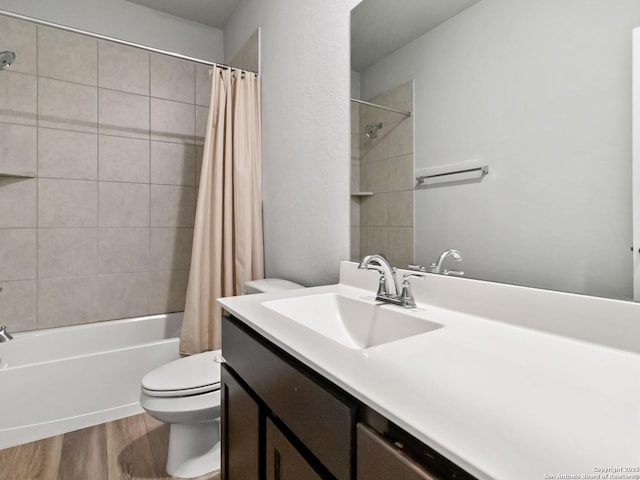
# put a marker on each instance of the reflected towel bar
(483, 171)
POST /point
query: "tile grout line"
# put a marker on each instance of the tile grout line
(97, 301)
(149, 178)
(37, 180)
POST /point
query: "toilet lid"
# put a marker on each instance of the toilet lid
(187, 376)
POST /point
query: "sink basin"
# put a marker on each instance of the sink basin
(354, 323)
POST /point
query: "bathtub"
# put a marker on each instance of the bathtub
(62, 379)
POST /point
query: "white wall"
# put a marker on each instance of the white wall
(305, 131)
(541, 91)
(127, 21)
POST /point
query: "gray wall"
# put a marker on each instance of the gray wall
(305, 132)
(126, 21)
(541, 91)
(104, 231)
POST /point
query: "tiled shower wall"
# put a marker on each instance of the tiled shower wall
(113, 136)
(355, 182)
(386, 169)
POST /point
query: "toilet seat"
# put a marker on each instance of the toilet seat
(193, 375)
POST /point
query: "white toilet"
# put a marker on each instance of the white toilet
(186, 394)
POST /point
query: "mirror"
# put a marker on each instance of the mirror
(541, 92)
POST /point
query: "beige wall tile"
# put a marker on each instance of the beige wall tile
(375, 241)
(355, 177)
(401, 97)
(374, 177)
(355, 244)
(400, 139)
(203, 85)
(173, 78)
(172, 206)
(355, 118)
(18, 204)
(201, 124)
(400, 246)
(123, 250)
(123, 114)
(377, 210)
(68, 106)
(18, 98)
(401, 209)
(168, 291)
(67, 301)
(248, 57)
(18, 254)
(123, 295)
(401, 176)
(67, 252)
(123, 68)
(17, 148)
(67, 203)
(124, 204)
(67, 56)
(173, 163)
(65, 154)
(171, 248)
(199, 154)
(172, 121)
(354, 205)
(124, 159)
(19, 37)
(18, 299)
(373, 150)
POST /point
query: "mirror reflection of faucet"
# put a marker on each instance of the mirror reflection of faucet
(436, 267)
(4, 335)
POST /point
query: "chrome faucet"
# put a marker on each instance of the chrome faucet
(388, 284)
(4, 335)
(436, 267)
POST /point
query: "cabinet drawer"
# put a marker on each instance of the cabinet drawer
(379, 460)
(320, 420)
(284, 462)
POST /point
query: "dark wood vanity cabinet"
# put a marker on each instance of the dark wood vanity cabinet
(283, 460)
(381, 460)
(240, 427)
(283, 421)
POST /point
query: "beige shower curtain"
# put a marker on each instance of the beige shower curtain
(227, 238)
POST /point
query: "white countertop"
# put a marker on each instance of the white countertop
(502, 401)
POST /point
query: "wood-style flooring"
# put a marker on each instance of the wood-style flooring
(130, 448)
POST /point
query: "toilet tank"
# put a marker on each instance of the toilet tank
(267, 285)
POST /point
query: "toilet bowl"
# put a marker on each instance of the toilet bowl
(186, 394)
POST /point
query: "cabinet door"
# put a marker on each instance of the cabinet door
(240, 431)
(284, 462)
(379, 460)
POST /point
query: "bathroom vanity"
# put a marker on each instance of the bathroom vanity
(281, 420)
(480, 381)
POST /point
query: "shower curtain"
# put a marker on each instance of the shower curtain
(227, 238)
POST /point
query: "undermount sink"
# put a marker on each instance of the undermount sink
(356, 324)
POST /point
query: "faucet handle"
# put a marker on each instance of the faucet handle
(418, 268)
(407, 276)
(455, 273)
(382, 286)
(406, 297)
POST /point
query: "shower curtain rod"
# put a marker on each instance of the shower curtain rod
(382, 107)
(115, 40)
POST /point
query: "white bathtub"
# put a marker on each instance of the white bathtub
(61, 379)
